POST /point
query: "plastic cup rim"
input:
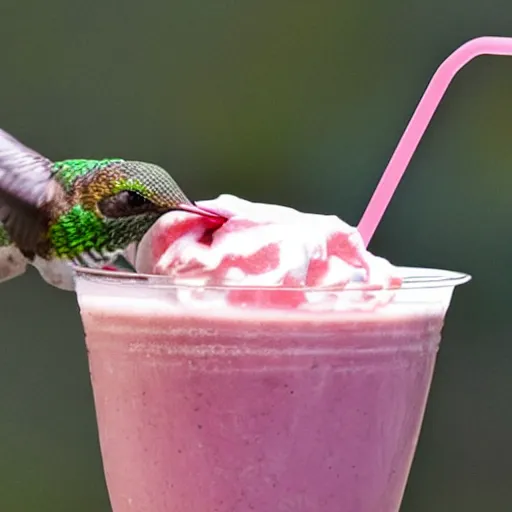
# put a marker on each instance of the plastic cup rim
(413, 278)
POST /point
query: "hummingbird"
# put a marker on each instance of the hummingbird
(54, 215)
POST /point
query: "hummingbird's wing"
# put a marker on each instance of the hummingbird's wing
(26, 188)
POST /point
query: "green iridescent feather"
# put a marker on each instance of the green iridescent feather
(4, 237)
(77, 231)
(67, 172)
(131, 184)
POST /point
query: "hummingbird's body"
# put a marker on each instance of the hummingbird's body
(83, 212)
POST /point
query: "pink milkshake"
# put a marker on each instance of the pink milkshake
(303, 394)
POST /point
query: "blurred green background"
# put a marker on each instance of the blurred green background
(299, 103)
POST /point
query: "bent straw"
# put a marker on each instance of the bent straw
(419, 123)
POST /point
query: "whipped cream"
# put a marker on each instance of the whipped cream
(263, 245)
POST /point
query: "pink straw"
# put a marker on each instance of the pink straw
(419, 123)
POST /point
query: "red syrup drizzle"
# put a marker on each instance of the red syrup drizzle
(212, 218)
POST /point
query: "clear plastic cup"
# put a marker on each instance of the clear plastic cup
(208, 408)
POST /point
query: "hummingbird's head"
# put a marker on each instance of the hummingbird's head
(128, 197)
(136, 189)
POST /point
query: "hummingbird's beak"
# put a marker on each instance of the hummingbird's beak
(202, 211)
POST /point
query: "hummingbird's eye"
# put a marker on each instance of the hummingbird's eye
(136, 200)
(125, 204)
